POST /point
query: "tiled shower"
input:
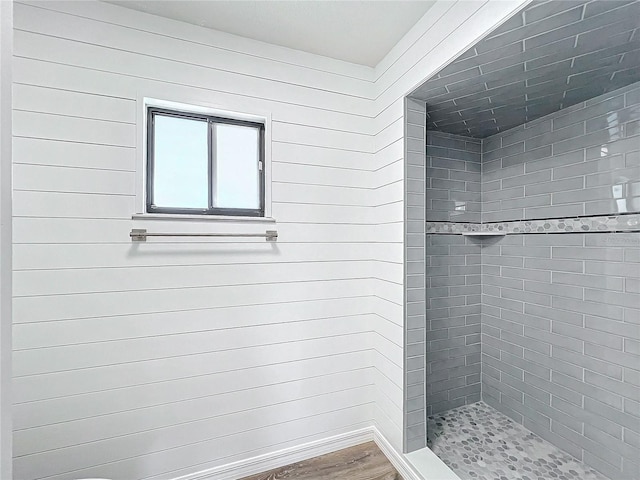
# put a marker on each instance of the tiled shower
(531, 181)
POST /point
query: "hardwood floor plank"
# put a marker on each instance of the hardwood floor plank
(362, 462)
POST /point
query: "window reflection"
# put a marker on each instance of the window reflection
(626, 194)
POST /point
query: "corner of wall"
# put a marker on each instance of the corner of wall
(6, 59)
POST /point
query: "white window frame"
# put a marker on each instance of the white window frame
(205, 108)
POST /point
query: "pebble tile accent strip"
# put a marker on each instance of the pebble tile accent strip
(612, 223)
(479, 443)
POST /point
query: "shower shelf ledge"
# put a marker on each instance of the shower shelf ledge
(484, 234)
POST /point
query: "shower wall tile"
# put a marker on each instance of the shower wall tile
(453, 178)
(547, 58)
(560, 336)
(415, 433)
(453, 310)
(581, 160)
(559, 322)
(453, 322)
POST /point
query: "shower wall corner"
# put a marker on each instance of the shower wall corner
(415, 425)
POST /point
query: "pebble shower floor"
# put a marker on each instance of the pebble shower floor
(479, 443)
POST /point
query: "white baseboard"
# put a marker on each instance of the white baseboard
(280, 458)
(397, 459)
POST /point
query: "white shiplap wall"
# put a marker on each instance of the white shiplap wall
(156, 360)
(163, 359)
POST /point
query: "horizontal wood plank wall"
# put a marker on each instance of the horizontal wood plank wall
(164, 359)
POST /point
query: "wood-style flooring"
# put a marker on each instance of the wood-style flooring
(362, 462)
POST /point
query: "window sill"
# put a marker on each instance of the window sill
(201, 218)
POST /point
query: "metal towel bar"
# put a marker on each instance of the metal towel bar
(141, 234)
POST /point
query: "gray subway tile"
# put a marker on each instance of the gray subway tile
(557, 135)
(603, 164)
(612, 177)
(611, 471)
(582, 195)
(527, 179)
(526, 296)
(594, 138)
(535, 322)
(528, 412)
(556, 161)
(518, 135)
(529, 156)
(607, 106)
(559, 211)
(555, 240)
(613, 414)
(632, 346)
(555, 314)
(514, 305)
(627, 330)
(554, 289)
(588, 253)
(610, 384)
(535, 32)
(504, 388)
(554, 339)
(577, 385)
(626, 299)
(587, 307)
(601, 451)
(588, 335)
(447, 162)
(543, 275)
(504, 194)
(604, 207)
(572, 266)
(526, 320)
(505, 151)
(615, 269)
(576, 411)
(613, 358)
(555, 186)
(632, 97)
(623, 115)
(527, 202)
(555, 415)
(496, 363)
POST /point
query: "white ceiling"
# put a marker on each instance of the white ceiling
(356, 31)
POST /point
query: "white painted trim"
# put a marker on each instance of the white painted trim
(398, 460)
(203, 109)
(512, 8)
(6, 59)
(201, 218)
(166, 97)
(280, 458)
(430, 466)
(287, 456)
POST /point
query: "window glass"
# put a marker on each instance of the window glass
(204, 164)
(236, 178)
(180, 170)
